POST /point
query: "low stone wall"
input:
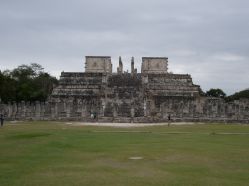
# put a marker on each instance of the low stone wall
(200, 110)
(27, 111)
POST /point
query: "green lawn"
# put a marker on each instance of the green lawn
(53, 153)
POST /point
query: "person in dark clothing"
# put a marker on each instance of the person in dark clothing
(169, 120)
(1, 119)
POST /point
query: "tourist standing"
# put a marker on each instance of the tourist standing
(1, 119)
(169, 120)
(91, 115)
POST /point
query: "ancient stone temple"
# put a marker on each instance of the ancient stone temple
(98, 94)
(151, 95)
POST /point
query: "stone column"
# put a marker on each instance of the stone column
(54, 110)
(102, 108)
(83, 109)
(68, 109)
(132, 113)
(23, 110)
(37, 110)
(10, 110)
(14, 111)
(145, 108)
(42, 110)
(47, 115)
(114, 110)
(132, 66)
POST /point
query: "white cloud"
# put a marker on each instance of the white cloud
(228, 57)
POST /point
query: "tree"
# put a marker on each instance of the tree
(26, 83)
(7, 86)
(239, 95)
(44, 85)
(216, 93)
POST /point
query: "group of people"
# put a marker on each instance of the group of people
(1, 119)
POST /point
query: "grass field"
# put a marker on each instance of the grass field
(49, 153)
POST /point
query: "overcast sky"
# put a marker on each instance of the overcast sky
(208, 39)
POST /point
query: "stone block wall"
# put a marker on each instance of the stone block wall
(202, 109)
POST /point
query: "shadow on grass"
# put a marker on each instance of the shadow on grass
(28, 136)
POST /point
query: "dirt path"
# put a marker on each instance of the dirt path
(129, 124)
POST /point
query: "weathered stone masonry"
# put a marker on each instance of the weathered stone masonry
(149, 96)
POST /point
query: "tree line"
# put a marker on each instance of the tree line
(221, 94)
(26, 83)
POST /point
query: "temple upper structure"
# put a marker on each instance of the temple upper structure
(120, 66)
(101, 64)
(154, 65)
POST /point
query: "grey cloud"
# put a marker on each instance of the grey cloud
(208, 39)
